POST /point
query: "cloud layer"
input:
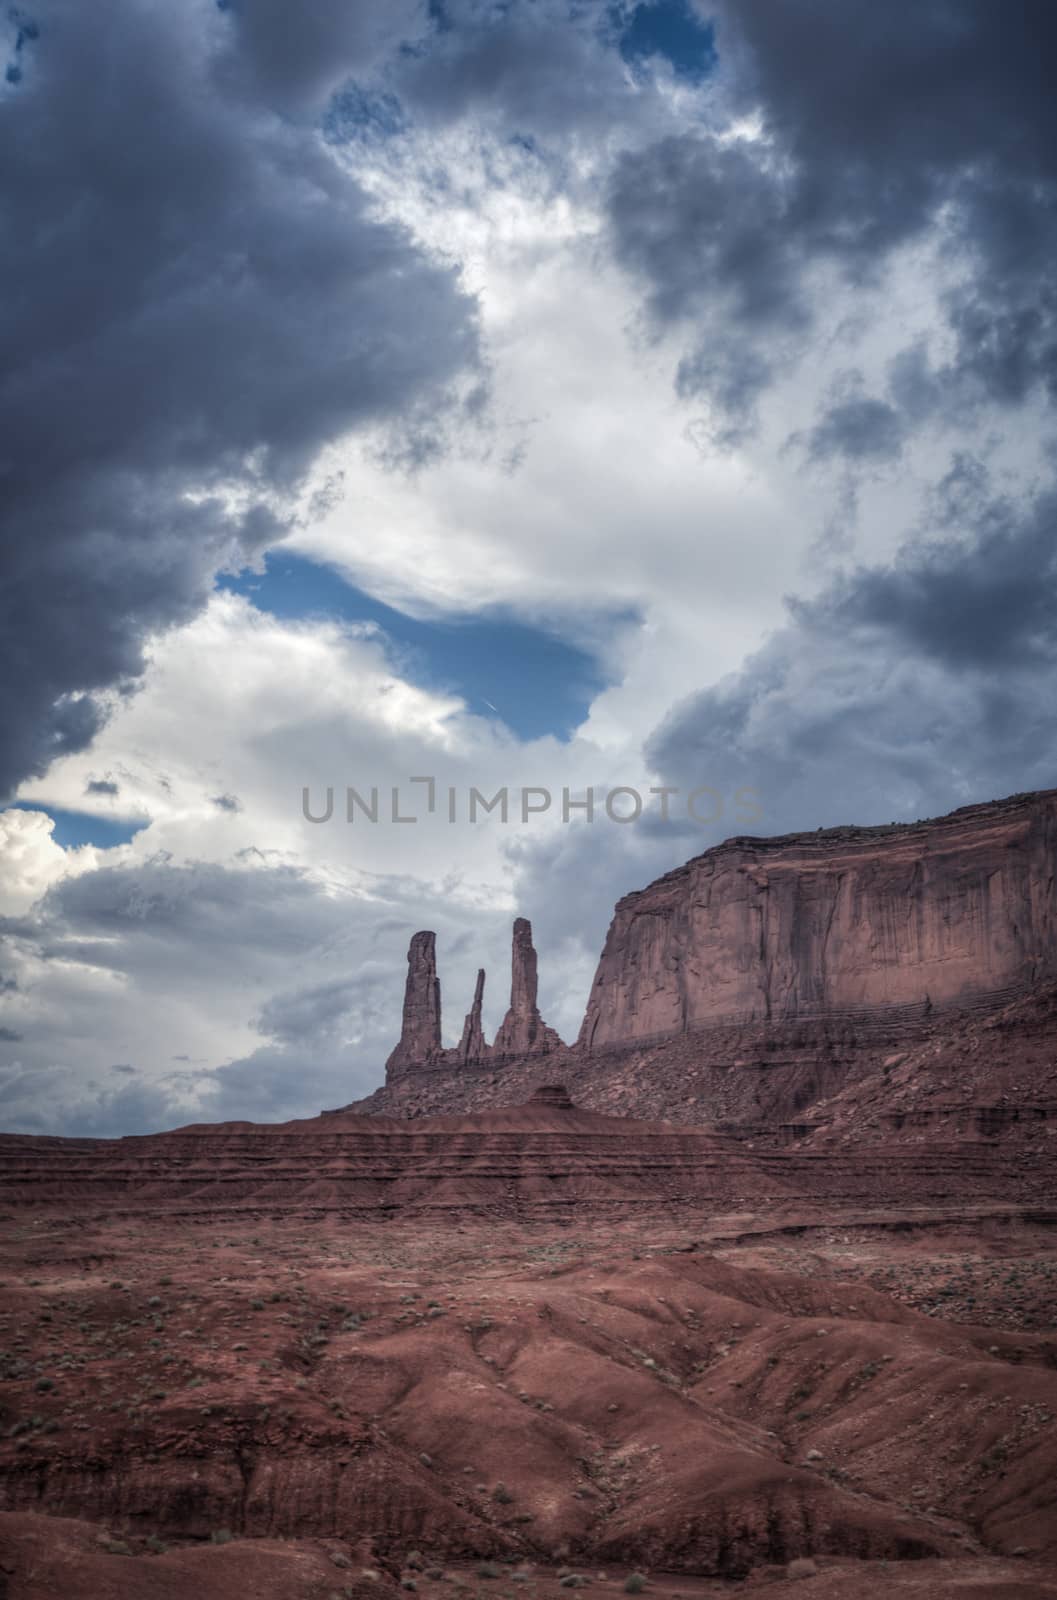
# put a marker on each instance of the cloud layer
(196, 299)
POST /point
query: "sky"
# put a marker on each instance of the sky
(533, 396)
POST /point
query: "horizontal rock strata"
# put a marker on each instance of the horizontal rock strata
(868, 927)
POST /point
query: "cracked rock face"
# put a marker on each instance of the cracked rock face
(420, 1029)
(868, 924)
(523, 1031)
(472, 1046)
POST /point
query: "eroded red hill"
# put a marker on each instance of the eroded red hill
(681, 1392)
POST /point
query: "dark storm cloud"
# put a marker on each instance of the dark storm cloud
(194, 299)
(988, 601)
(34, 1103)
(541, 69)
(855, 427)
(122, 916)
(904, 689)
(101, 786)
(875, 126)
(299, 57)
(705, 227)
(316, 971)
(697, 218)
(332, 1030)
(303, 1014)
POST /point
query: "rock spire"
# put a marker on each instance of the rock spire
(522, 1032)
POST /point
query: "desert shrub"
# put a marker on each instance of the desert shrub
(501, 1495)
(488, 1569)
(802, 1567)
(634, 1583)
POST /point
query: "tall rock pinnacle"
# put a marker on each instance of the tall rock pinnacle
(472, 1045)
(523, 1030)
(420, 1030)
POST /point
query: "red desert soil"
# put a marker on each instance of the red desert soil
(243, 1377)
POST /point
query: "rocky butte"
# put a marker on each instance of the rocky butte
(767, 975)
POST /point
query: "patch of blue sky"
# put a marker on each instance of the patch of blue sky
(73, 828)
(672, 29)
(356, 113)
(533, 679)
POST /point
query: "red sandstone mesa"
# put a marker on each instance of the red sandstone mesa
(958, 911)
(767, 976)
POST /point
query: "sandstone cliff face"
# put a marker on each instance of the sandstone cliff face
(863, 924)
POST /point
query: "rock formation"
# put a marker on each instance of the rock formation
(766, 978)
(540, 1158)
(871, 925)
(522, 1032)
(420, 1030)
(472, 1046)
